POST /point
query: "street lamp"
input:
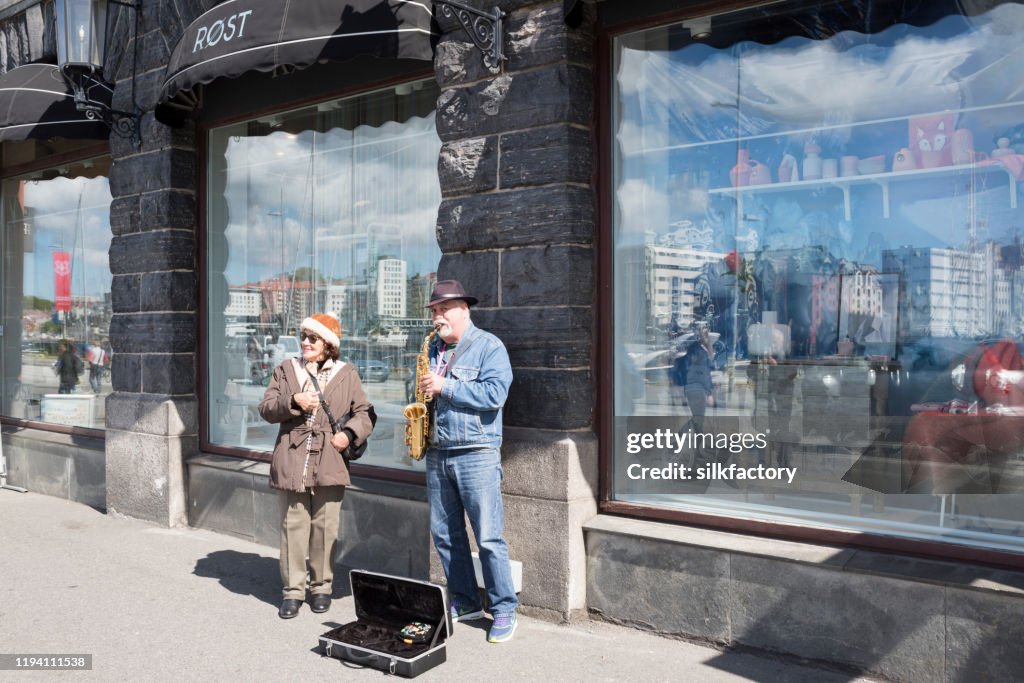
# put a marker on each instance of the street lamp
(81, 51)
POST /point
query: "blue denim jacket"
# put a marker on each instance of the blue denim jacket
(467, 412)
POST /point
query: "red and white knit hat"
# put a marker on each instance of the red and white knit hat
(326, 326)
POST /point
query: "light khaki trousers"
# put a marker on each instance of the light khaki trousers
(309, 528)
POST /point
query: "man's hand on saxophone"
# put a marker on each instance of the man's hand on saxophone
(431, 383)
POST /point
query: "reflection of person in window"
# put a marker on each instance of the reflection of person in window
(773, 398)
(693, 372)
(253, 349)
(697, 365)
(965, 452)
(69, 367)
(674, 329)
(95, 356)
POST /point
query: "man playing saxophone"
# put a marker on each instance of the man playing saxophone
(468, 380)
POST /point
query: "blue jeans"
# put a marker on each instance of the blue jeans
(469, 481)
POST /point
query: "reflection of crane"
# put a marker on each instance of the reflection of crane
(80, 242)
(280, 231)
(968, 305)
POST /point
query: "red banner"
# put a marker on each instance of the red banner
(62, 280)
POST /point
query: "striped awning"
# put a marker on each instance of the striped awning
(240, 36)
(36, 102)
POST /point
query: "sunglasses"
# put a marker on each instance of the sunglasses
(313, 339)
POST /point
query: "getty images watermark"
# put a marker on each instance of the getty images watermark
(694, 443)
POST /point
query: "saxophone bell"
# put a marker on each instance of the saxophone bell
(415, 411)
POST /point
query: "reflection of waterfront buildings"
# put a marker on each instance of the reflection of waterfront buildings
(954, 292)
(862, 293)
(1012, 260)
(390, 288)
(32, 322)
(365, 252)
(88, 319)
(243, 302)
(336, 299)
(418, 294)
(672, 266)
(392, 302)
(289, 300)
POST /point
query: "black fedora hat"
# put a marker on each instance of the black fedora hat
(447, 290)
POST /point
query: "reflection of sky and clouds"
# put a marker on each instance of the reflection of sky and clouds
(290, 194)
(681, 111)
(69, 214)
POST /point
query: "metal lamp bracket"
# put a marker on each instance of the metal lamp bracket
(82, 78)
(484, 29)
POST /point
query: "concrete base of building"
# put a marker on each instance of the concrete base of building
(59, 465)
(148, 439)
(384, 525)
(903, 618)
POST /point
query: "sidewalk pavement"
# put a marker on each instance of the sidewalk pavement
(151, 603)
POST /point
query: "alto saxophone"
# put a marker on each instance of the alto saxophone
(417, 414)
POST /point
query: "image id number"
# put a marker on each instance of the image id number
(13, 662)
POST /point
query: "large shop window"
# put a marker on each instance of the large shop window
(819, 270)
(54, 338)
(330, 208)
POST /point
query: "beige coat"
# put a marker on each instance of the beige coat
(344, 393)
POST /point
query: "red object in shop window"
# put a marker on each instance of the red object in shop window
(733, 261)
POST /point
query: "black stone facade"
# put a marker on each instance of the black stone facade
(517, 222)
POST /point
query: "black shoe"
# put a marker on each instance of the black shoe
(289, 608)
(321, 602)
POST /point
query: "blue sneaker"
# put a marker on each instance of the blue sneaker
(460, 613)
(503, 627)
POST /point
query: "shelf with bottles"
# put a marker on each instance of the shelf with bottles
(884, 180)
(949, 153)
(991, 118)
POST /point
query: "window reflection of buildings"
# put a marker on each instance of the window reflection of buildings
(866, 295)
(395, 301)
(674, 262)
(390, 288)
(956, 292)
(244, 302)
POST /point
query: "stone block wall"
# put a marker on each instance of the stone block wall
(152, 424)
(517, 225)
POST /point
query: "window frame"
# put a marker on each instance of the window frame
(203, 131)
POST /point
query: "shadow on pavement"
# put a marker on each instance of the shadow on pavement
(243, 573)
